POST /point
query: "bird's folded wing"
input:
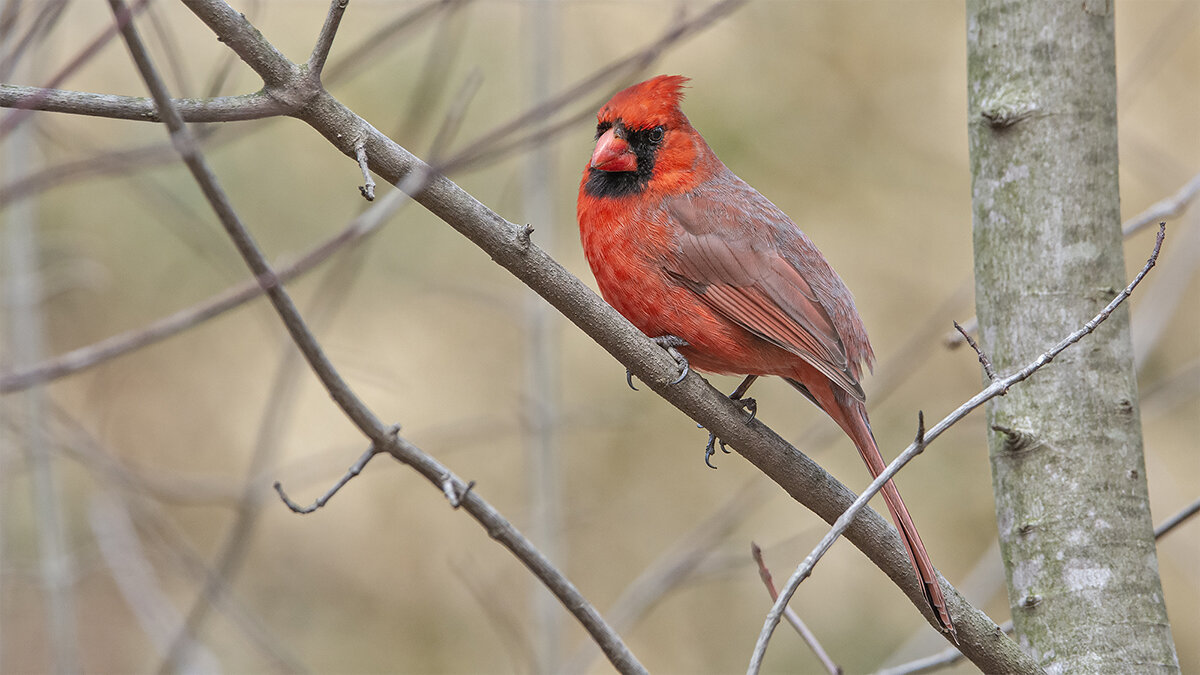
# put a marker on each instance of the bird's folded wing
(738, 271)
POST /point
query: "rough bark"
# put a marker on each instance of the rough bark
(1066, 448)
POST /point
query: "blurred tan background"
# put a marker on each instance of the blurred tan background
(849, 115)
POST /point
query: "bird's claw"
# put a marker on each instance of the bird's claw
(750, 405)
(629, 379)
(710, 449)
(670, 343)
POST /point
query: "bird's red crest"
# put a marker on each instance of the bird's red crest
(646, 104)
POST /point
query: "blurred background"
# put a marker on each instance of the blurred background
(126, 486)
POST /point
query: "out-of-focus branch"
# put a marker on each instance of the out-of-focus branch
(1177, 519)
(806, 634)
(508, 137)
(1165, 209)
(39, 26)
(85, 55)
(997, 388)
(281, 401)
(361, 227)
(135, 577)
(21, 301)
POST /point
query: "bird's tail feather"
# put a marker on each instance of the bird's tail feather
(852, 417)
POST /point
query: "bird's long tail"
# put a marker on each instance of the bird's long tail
(852, 417)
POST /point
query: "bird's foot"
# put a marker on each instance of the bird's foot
(710, 449)
(669, 343)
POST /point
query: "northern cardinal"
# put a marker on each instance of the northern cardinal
(700, 261)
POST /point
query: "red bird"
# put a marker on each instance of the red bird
(703, 263)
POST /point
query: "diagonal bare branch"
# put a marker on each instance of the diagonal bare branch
(253, 106)
(346, 399)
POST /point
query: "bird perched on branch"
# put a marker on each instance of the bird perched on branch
(710, 269)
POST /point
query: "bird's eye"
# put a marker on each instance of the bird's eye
(656, 135)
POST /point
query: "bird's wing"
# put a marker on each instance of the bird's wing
(729, 256)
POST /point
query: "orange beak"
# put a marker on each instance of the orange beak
(613, 154)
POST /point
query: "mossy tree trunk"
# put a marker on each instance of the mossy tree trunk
(1066, 446)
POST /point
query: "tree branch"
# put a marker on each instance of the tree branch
(320, 52)
(257, 105)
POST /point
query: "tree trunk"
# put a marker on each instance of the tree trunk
(1066, 446)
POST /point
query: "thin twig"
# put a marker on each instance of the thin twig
(368, 187)
(1177, 519)
(805, 633)
(321, 501)
(983, 359)
(996, 388)
(1165, 209)
(320, 52)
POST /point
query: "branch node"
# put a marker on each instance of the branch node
(1016, 440)
(524, 237)
(360, 152)
(920, 438)
(450, 488)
